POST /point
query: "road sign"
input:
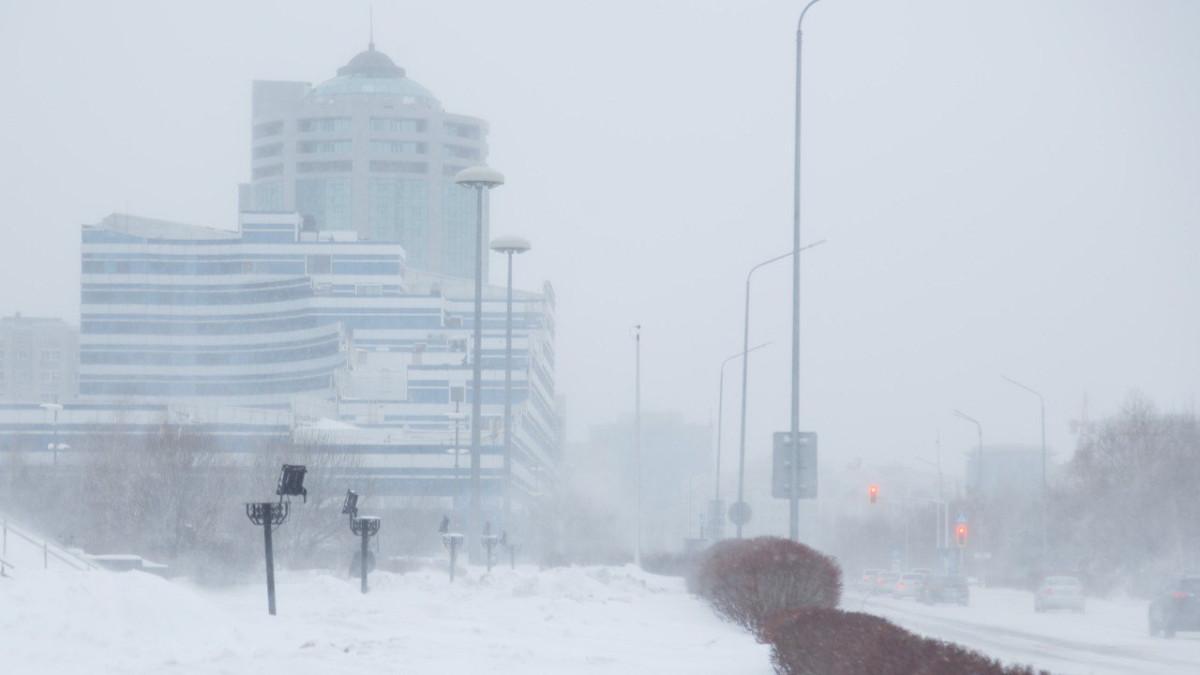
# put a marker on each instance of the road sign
(805, 452)
(739, 513)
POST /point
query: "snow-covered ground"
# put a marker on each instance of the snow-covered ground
(567, 620)
(1110, 637)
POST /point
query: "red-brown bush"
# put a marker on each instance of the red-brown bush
(820, 641)
(750, 580)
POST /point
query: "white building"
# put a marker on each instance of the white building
(372, 151)
(314, 336)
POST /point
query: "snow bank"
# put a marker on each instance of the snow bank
(569, 620)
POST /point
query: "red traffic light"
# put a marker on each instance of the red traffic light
(873, 492)
(960, 532)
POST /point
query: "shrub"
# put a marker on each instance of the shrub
(750, 580)
(820, 641)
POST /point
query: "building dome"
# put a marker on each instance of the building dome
(372, 72)
(371, 64)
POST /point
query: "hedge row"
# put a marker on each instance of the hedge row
(750, 580)
(787, 595)
(833, 642)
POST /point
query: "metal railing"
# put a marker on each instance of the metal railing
(48, 550)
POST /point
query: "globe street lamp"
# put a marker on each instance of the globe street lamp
(481, 179)
(509, 246)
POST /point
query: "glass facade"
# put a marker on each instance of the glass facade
(458, 230)
(398, 210)
(327, 200)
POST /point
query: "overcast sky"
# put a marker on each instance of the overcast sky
(1006, 187)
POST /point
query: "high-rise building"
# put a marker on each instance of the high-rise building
(371, 151)
(38, 359)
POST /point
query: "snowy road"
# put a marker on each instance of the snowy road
(1109, 638)
(568, 620)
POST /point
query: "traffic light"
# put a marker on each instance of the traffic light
(873, 492)
(960, 534)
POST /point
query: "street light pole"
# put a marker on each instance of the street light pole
(793, 501)
(719, 517)
(509, 246)
(481, 179)
(637, 439)
(1045, 485)
(979, 452)
(745, 374)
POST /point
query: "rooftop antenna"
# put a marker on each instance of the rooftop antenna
(371, 28)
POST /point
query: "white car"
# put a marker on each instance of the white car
(1059, 593)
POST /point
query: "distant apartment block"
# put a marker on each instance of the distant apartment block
(38, 359)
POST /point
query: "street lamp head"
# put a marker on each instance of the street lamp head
(479, 177)
(291, 482)
(510, 244)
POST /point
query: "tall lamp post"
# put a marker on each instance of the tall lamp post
(1045, 487)
(745, 375)
(793, 501)
(718, 517)
(637, 441)
(54, 408)
(481, 179)
(509, 246)
(979, 450)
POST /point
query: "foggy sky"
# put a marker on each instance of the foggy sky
(1007, 187)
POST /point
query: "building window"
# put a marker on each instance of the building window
(398, 147)
(462, 130)
(328, 125)
(334, 166)
(462, 152)
(268, 196)
(398, 210)
(313, 147)
(51, 357)
(327, 200)
(267, 171)
(383, 166)
(320, 264)
(271, 150)
(397, 125)
(267, 129)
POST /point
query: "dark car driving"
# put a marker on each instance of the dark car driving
(1176, 608)
(944, 588)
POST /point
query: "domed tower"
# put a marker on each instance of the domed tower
(373, 151)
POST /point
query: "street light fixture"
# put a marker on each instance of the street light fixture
(362, 526)
(745, 375)
(271, 515)
(1045, 486)
(481, 179)
(54, 446)
(509, 246)
(793, 502)
(718, 509)
(979, 452)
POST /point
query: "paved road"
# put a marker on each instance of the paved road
(1110, 637)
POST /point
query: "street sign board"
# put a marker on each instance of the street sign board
(739, 513)
(804, 451)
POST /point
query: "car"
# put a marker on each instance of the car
(908, 585)
(1176, 608)
(868, 579)
(1059, 592)
(945, 588)
(885, 582)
